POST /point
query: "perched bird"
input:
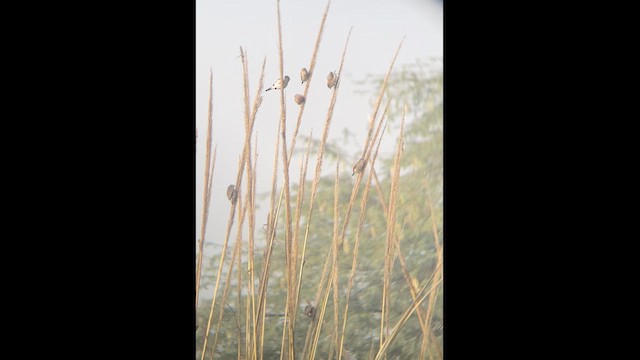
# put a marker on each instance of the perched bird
(232, 194)
(332, 79)
(310, 310)
(359, 166)
(304, 75)
(279, 84)
(299, 99)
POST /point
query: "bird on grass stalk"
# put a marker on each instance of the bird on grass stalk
(279, 84)
(359, 166)
(332, 79)
(300, 99)
(304, 75)
(232, 194)
(310, 310)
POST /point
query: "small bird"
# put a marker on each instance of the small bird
(304, 75)
(279, 84)
(332, 79)
(310, 310)
(299, 99)
(232, 194)
(359, 166)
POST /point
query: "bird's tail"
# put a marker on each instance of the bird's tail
(268, 89)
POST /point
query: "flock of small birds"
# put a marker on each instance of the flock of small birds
(332, 81)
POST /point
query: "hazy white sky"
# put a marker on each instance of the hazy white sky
(222, 26)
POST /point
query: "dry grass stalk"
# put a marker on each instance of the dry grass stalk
(314, 328)
(356, 247)
(368, 139)
(220, 265)
(391, 216)
(319, 160)
(312, 66)
(403, 265)
(271, 233)
(303, 172)
(334, 250)
(208, 176)
(438, 273)
(301, 189)
(241, 164)
(250, 328)
(373, 116)
(248, 167)
(251, 185)
(289, 258)
(236, 257)
(241, 215)
(225, 293)
(320, 316)
(204, 221)
(423, 316)
(356, 187)
(403, 319)
(303, 175)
